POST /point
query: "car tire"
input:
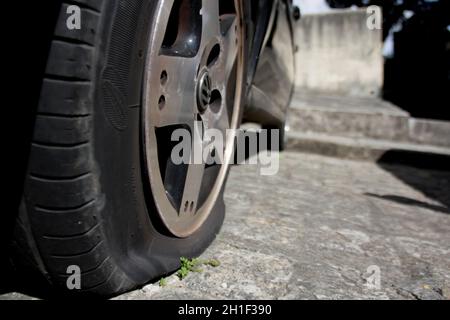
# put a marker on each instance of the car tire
(87, 201)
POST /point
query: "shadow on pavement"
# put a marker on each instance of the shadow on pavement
(425, 172)
(415, 159)
(410, 202)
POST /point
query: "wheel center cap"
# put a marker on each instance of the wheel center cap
(204, 91)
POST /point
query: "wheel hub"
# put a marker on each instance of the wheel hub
(204, 91)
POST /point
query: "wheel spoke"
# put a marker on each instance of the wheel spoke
(219, 120)
(192, 187)
(210, 20)
(223, 122)
(176, 103)
(231, 47)
(195, 173)
(221, 71)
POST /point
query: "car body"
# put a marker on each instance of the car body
(272, 64)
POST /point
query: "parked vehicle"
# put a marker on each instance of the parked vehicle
(100, 192)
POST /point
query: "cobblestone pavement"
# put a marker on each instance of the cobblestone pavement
(313, 231)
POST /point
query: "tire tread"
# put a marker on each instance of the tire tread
(58, 220)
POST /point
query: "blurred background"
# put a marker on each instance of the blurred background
(416, 46)
(388, 88)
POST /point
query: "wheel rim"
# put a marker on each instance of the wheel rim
(194, 72)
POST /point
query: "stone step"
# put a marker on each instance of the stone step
(366, 149)
(354, 117)
(431, 132)
(348, 117)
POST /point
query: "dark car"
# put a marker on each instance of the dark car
(100, 193)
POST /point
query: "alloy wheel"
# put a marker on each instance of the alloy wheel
(194, 74)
